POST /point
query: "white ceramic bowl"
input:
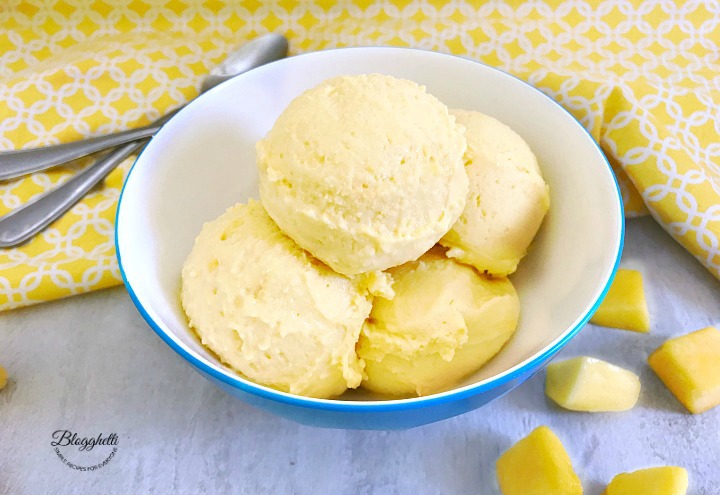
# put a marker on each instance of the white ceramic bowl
(203, 161)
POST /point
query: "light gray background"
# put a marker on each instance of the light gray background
(90, 364)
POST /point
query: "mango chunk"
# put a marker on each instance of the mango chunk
(537, 465)
(624, 305)
(689, 366)
(3, 378)
(588, 384)
(667, 480)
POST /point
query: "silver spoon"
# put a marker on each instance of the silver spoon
(24, 222)
(22, 162)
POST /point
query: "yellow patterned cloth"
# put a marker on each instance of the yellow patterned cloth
(642, 76)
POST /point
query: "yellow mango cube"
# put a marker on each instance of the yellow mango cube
(3, 377)
(624, 305)
(667, 480)
(689, 366)
(537, 465)
(588, 384)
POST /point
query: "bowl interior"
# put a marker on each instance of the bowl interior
(203, 161)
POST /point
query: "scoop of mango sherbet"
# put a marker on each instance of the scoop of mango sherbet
(508, 197)
(365, 172)
(445, 321)
(269, 309)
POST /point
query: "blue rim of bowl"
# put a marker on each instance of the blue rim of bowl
(453, 395)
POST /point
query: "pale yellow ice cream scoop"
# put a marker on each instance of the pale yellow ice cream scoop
(508, 197)
(445, 322)
(269, 309)
(365, 172)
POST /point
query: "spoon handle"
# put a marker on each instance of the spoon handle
(17, 163)
(253, 54)
(23, 223)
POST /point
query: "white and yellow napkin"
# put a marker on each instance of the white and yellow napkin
(641, 76)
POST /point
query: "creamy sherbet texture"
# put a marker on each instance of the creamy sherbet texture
(365, 172)
(269, 309)
(508, 197)
(445, 321)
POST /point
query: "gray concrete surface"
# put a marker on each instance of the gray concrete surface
(91, 365)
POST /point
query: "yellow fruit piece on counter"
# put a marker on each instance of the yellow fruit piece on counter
(689, 366)
(537, 465)
(588, 384)
(667, 480)
(624, 305)
(3, 377)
